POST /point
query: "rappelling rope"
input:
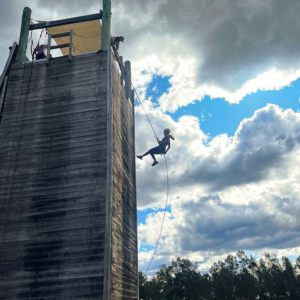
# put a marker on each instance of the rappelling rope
(163, 219)
(167, 180)
(30, 41)
(141, 102)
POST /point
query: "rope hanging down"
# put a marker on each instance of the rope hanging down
(163, 219)
(167, 183)
(141, 102)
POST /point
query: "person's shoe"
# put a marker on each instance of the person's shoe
(139, 156)
(154, 163)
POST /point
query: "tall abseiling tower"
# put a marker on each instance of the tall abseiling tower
(67, 167)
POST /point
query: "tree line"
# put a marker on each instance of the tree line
(237, 277)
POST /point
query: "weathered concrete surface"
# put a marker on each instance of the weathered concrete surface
(58, 201)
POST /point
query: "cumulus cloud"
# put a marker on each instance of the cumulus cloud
(257, 217)
(230, 48)
(256, 152)
(231, 193)
(189, 140)
(213, 224)
(219, 48)
(67, 8)
(258, 147)
(10, 20)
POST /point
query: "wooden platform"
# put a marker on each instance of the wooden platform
(67, 183)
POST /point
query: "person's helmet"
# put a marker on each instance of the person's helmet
(167, 131)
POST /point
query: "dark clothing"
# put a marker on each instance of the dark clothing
(40, 55)
(164, 143)
(39, 51)
(161, 149)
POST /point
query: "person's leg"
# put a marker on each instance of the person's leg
(153, 156)
(152, 152)
(145, 154)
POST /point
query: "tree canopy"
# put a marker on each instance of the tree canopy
(237, 277)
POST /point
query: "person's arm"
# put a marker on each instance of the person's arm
(168, 146)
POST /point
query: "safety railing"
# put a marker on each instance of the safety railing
(59, 46)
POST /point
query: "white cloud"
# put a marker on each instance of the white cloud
(232, 193)
(255, 153)
(185, 89)
(206, 228)
(224, 49)
(257, 149)
(189, 143)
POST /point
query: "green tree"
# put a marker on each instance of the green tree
(237, 277)
(181, 280)
(289, 280)
(224, 278)
(149, 289)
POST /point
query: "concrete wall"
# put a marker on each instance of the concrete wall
(57, 205)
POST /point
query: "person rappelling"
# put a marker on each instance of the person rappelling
(163, 147)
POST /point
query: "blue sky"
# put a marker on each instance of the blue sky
(218, 116)
(158, 86)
